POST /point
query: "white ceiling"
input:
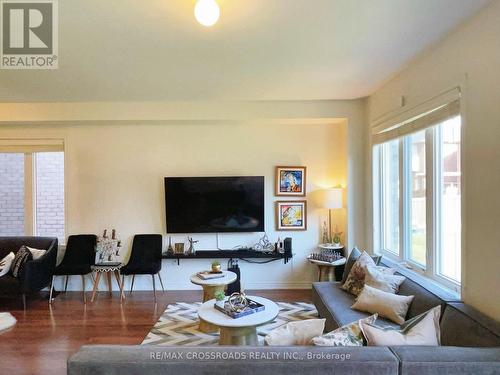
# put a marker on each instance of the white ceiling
(124, 50)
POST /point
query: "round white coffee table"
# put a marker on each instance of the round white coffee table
(212, 286)
(240, 331)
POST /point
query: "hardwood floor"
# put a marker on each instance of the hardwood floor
(45, 336)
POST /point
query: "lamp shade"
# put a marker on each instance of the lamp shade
(331, 198)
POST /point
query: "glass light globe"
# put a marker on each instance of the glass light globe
(206, 12)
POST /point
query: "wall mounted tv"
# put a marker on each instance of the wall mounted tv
(214, 204)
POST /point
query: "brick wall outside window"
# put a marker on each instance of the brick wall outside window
(11, 194)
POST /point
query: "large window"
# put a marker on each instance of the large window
(417, 200)
(32, 194)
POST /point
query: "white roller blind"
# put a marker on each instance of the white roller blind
(31, 145)
(418, 123)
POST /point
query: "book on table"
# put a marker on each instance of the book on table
(208, 275)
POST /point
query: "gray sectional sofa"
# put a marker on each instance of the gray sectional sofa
(471, 345)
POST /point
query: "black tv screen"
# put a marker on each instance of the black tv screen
(214, 204)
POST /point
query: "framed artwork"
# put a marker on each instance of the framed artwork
(291, 181)
(291, 215)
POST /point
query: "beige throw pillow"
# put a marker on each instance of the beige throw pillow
(295, 333)
(348, 335)
(356, 278)
(388, 305)
(6, 263)
(37, 253)
(382, 278)
(420, 330)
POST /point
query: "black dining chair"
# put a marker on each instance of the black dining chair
(145, 259)
(78, 258)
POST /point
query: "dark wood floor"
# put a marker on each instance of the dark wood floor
(44, 337)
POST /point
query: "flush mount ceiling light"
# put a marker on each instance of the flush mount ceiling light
(207, 12)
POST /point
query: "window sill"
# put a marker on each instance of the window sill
(427, 283)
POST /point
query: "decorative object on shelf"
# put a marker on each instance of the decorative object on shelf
(216, 266)
(264, 245)
(179, 248)
(291, 215)
(332, 200)
(290, 181)
(170, 249)
(191, 250)
(108, 249)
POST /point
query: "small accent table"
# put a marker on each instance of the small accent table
(326, 270)
(107, 269)
(240, 331)
(212, 286)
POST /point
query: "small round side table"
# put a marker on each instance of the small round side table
(212, 286)
(107, 269)
(326, 270)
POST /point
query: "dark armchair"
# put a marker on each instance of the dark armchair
(145, 259)
(37, 273)
(78, 258)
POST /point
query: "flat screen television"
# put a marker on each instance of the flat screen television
(214, 204)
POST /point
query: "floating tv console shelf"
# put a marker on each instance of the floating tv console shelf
(228, 254)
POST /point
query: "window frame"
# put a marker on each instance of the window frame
(434, 172)
(30, 147)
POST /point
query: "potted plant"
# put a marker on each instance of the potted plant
(215, 266)
(336, 236)
(220, 298)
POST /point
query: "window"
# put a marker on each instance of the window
(32, 194)
(417, 197)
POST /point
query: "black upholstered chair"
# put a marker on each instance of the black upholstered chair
(145, 259)
(78, 258)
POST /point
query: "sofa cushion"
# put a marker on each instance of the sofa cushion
(441, 360)
(295, 333)
(334, 304)
(353, 257)
(348, 335)
(463, 325)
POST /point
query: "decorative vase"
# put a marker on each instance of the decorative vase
(216, 268)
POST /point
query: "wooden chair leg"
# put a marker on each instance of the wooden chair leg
(117, 277)
(83, 287)
(161, 282)
(154, 286)
(96, 283)
(122, 288)
(24, 302)
(51, 288)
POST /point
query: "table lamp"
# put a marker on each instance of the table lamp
(331, 199)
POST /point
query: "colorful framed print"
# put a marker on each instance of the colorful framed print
(291, 181)
(291, 215)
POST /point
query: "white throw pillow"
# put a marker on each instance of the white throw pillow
(296, 333)
(5, 263)
(37, 253)
(348, 335)
(391, 306)
(379, 278)
(420, 330)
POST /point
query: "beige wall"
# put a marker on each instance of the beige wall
(115, 170)
(468, 58)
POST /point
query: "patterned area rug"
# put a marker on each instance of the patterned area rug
(178, 325)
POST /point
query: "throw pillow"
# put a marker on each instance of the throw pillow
(37, 253)
(388, 305)
(420, 330)
(383, 278)
(356, 279)
(22, 256)
(296, 333)
(6, 263)
(353, 257)
(348, 335)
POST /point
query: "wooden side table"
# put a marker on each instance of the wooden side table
(107, 269)
(326, 270)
